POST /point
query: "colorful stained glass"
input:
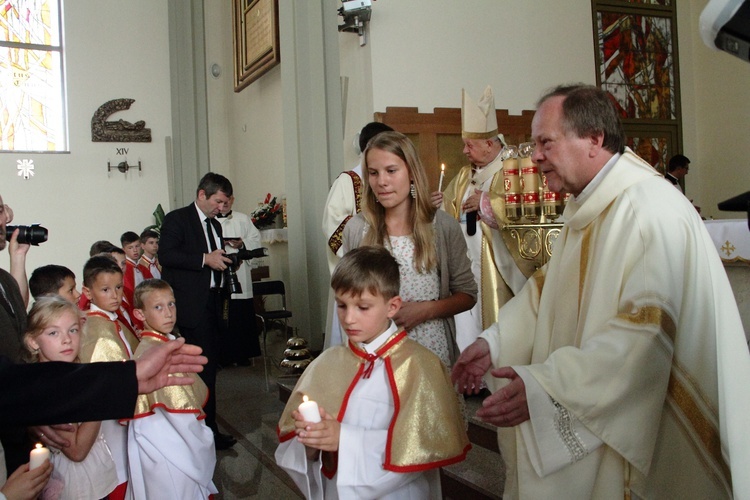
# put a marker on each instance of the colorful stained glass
(32, 110)
(637, 66)
(654, 150)
(30, 21)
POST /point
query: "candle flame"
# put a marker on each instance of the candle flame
(304, 399)
(39, 445)
(442, 167)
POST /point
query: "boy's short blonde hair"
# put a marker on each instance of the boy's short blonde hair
(147, 286)
(42, 313)
(370, 268)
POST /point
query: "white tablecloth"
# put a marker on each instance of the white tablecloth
(274, 235)
(732, 239)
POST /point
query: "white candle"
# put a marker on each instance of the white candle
(38, 456)
(309, 410)
(442, 175)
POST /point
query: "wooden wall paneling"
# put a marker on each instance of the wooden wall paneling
(437, 135)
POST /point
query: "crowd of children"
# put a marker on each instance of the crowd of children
(390, 417)
(165, 450)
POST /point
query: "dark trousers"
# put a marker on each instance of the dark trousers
(205, 334)
(239, 332)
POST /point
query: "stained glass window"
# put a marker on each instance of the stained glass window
(32, 93)
(636, 64)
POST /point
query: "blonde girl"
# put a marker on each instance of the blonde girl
(398, 213)
(84, 469)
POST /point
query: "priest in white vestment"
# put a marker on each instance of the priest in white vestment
(620, 369)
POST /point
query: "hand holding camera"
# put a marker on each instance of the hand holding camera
(231, 282)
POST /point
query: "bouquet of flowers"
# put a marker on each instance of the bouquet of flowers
(265, 214)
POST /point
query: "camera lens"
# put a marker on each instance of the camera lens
(32, 235)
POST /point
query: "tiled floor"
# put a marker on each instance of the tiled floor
(250, 414)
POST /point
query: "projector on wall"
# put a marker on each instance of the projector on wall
(725, 25)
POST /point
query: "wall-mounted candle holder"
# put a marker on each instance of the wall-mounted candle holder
(123, 166)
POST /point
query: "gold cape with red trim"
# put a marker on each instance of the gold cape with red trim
(101, 342)
(173, 398)
(427, 430)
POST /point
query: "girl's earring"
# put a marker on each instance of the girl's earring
(413, 191)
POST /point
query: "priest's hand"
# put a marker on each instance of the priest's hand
(471, 366)
(472, 203)
(508, 406)
(323, 435)
(154, 367)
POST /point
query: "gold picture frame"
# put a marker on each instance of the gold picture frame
(256, 39)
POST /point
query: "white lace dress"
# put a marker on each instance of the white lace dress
(416, 287)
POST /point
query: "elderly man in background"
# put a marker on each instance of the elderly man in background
(621, 367)
(477, 191)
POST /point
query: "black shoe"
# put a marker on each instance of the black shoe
(223, 441)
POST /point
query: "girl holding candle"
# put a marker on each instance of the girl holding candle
(85, 469)
(399, 214)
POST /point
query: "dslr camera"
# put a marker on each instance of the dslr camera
(33, 234)
(231, 282)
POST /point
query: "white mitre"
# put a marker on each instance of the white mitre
(478, 120)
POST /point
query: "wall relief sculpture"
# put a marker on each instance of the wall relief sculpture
(119, 130)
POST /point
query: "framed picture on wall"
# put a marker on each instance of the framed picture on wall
(256, 39)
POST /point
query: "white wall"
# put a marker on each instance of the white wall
(423, 52)
(245, 129)
(716, 117)
(113, 50)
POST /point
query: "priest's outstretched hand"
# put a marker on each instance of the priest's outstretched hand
(471, 366)
(507, 407)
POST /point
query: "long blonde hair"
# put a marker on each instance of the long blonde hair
(45, 310)
(421, 211)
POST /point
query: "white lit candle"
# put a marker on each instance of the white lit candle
(309, 410)
(442, 175)
(38, 456)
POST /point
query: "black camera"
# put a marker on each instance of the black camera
(231, 282)
(33, 234)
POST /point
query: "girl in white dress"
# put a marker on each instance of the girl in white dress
(85, 469)
(398, 213)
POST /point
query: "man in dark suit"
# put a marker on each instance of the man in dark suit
(192, 257)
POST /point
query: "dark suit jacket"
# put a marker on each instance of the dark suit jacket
(55, 393)
(12, 327)
(182, 244)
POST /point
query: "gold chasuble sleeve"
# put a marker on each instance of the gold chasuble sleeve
(454, 193)
(175, 398)
(427, 429)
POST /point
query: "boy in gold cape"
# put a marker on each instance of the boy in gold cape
(390, 416)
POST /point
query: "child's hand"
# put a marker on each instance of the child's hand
(25, 484)
(321, 436)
